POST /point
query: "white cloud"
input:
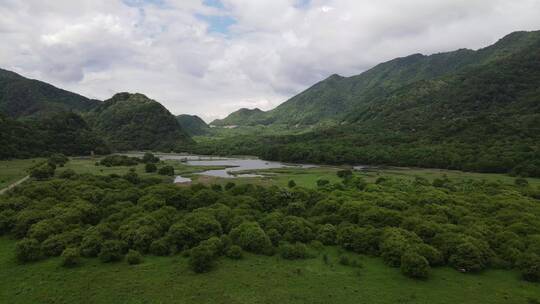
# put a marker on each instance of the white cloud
(276, 48)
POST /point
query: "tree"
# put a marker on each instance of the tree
(57, 159)
(71, 257)
(251, 237)
(344, 173)
(112, 251)
(234, 252)
(327, 234)
(322, 182)
(293, 251)
(201, 258)
(166, 170)
(414, 265)
(150, 168)
(149, 158)
(43, 172)
(133, 257)
(27, 250)
(291, 183)
(529, 264)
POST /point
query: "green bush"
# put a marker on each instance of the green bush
(251, 237)
(294, 251)
(71, 257)
(234, 252)
(43, 172)
(150, 168)
(414, 265)
(529, 264)
(27, 250)
(112, 251)
(166, 170)
(133, 257)
(201, 258)
(291, 184)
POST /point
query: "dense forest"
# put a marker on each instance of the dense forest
(483, 117)
(63, 132)
(411, 224)
(193, 124)
(135, 122)
(25, 98)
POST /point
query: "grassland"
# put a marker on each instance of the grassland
(255, 279)
(13, 170)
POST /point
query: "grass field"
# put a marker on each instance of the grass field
(13, 170)
(255, 279)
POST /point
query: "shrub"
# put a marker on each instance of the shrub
(150, 158)
(344, 173)
(201, 258)
(529, 264)
(67, 174)
(234, 252)
(414, 265)
(166, 170)
(71, 257)
(322, 182)
(293, 251)
(469, 258)
(161, 247)
(251, 237)
(27, 250)
(229, 185)
(327, 234)
(91, 245)
(291, 184)
(119, 160)
(112, 251)
(57, 159)
(150, 168)
(133, 257)
(521, 182)
(43, 172)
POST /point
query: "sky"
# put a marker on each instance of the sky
(212, 57)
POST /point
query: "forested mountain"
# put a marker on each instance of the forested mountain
(62, 132)
(336, 96)
(241, 117)
(193, 124)
(483, 116)
(21, 97)
(135, 122)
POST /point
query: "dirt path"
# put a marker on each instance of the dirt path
(15, 184)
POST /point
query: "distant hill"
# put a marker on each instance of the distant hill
(135, 122)
(335, 97)
(467, 110)
(62, 132)
(241, 117)
(193, 124)
(21, 97)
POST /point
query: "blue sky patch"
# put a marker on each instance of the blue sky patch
(139, 3)
(213, 3)
(217, 23)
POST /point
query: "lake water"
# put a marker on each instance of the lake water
(234, 165)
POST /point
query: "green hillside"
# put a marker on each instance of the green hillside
(193, 124)
(241, 117)
(336, 96)
(27, 98)
(135, 122)
(63, 132)
(481, 117)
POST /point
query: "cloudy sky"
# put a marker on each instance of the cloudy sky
(211, 57)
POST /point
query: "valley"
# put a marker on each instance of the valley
(416, 181)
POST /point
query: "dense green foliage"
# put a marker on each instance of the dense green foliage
(469, 225)
(26, 98)
(481, 114)
(63, 132)
(135, 122)
(193, 124)
(241, 117)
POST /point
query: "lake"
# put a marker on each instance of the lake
(234, 165)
